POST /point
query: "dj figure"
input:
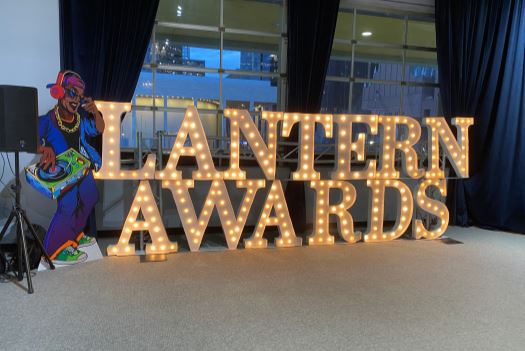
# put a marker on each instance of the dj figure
(65, 126)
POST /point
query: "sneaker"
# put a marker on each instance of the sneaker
(70, 256)
(86, 241)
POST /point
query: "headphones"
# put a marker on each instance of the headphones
(57, 91)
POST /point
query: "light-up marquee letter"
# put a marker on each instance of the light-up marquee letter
(305, 170)
(345, 147)
(274, 201)
(440, 134)
(265, 154)
(191, 127)
(144, 202)
(432, 206)
(376, 210)
(217, 197)
(391, 144)
(111, 146)
(323, 209)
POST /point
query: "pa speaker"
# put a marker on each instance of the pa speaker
(18, 119)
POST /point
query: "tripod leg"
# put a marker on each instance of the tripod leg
(26, 257)
(6, 225)
(20, 263)
(39, 243)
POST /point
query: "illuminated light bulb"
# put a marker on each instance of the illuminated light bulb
(375, 226)
(434, 207)
(305, 169)
(216, 198)
(323, 211)
(453, 149)
(273, 199)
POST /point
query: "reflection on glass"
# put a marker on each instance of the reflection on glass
(189, 12)
(381, 99)
(378, 63)
(190, 48)
(256, 15)
(335, 97)
(146, 121)
(421, 33)
(420, 101)
(344, 25)
(379, 29)
(127, 131)
(339, 67)
(248, 89)
(421, 66)
(251, 53)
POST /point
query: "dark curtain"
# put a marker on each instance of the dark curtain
(105, 41)
(481, 49)
(311, 27)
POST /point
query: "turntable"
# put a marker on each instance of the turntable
(70, 168)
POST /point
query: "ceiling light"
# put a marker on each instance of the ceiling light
(366, 34)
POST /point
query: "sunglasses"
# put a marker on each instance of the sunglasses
(72, 93)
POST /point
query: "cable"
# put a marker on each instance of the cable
(10, 191)
(3, 170)
(9, 163)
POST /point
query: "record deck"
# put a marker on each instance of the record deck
(70, 168)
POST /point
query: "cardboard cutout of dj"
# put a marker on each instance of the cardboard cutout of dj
(67, 126)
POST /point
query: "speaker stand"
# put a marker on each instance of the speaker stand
(18, 214)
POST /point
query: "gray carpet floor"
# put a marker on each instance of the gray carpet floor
(402, 295)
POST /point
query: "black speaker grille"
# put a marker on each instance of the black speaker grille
(18, 118)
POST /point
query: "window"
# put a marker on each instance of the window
(211, 54)
(382, 65)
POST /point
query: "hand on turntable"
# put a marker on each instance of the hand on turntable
(48, 157)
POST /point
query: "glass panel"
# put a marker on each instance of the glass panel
(145, 83)
(130, 127)
(127, 133)
(188, 48)
(421, 33)
(344, 26)
(266, 106)
(420, 101)
(210, 119)
(379, 29)
(189, 11)
(371, 98)
(188, 86)
(421, 66)
(251, 53)
(335, 97)
(339, 67)
(174, 118)
(148, 122)
(245, 90)
(262, 16)
(378, 63)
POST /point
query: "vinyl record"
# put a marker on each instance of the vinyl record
(60, 172)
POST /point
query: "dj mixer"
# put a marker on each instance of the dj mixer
(70, 168)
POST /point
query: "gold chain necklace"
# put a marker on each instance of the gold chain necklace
(63, 127)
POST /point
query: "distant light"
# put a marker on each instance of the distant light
(179, 8)
(366, 34)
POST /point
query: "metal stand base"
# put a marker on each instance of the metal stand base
(23, 259)
(18, 214)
